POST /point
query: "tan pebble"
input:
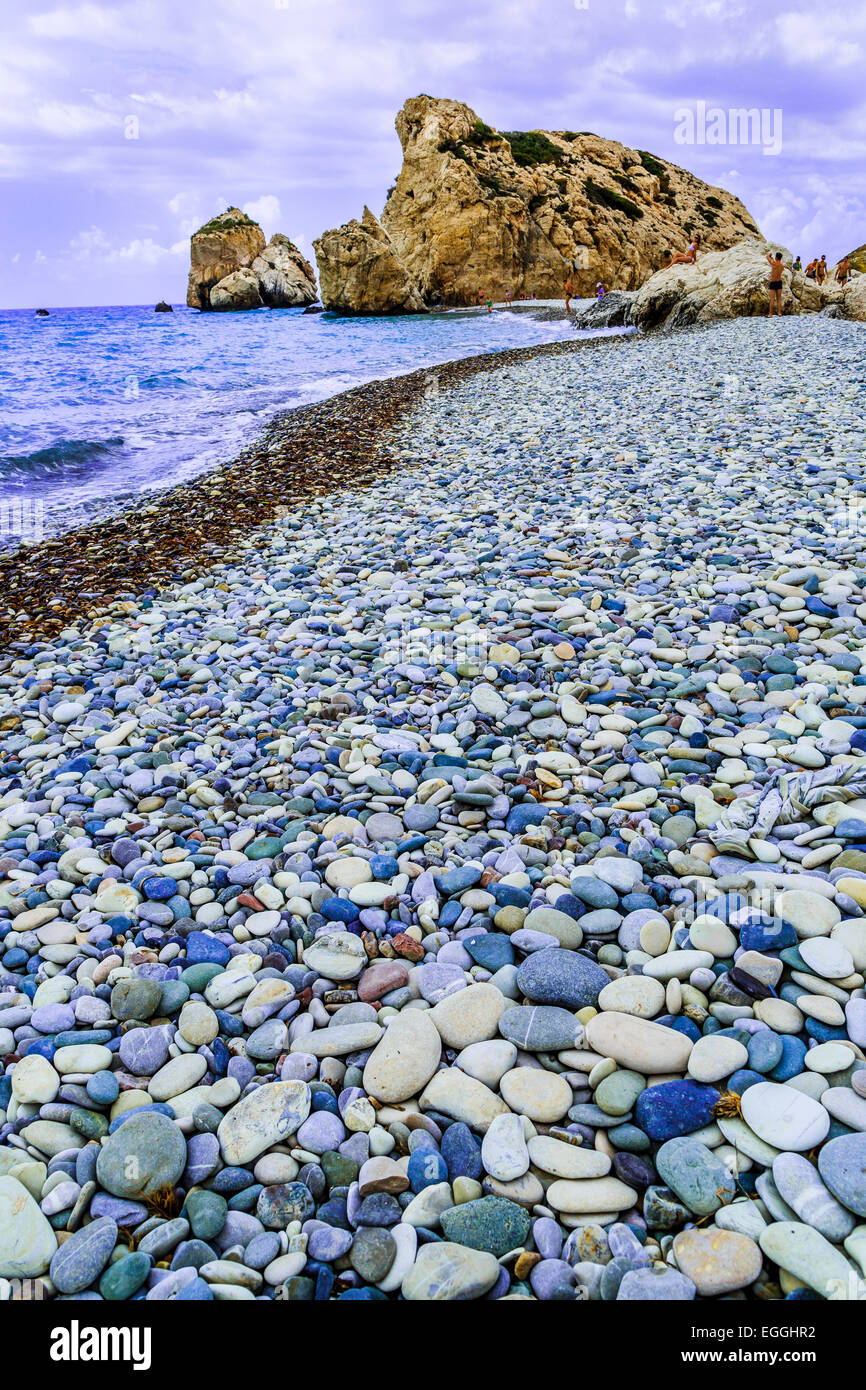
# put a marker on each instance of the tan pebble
(465, 1190)
(591, 1196)
(526, 1191)
(563, 1160)
(779, 1015)
(525, 1263)
(824, 1010)
(655, 936)
(542, 1095)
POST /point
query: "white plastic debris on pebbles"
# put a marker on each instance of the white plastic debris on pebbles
(464, 896)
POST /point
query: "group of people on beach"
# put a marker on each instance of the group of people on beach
(816, 270)
(569, 293)
(487, 300)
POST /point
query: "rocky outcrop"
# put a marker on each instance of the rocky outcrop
(858, 259)
(474, 209)
(361, 273)
(723, 285)
(286, 279)
(852, 300)
(228, 243)
(240, 290)
(232, 268)
(613, 310)
(163, 308)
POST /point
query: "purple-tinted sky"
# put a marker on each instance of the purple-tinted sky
(124, 124)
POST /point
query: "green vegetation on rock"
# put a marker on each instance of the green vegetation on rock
(530, 147)
(478, 137)
(653, 165)
(627, 184)
(608, 198)
(224, 223)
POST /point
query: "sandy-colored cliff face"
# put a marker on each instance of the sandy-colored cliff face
(360, 272)
(475, 210)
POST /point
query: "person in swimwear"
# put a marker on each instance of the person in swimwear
(508, 298)
(489, 305)
(690, 256)
(599, 289)
(776, 268)
(811, 270)
(843, 271)
(798, 264)
(569, 291)
(821, 271)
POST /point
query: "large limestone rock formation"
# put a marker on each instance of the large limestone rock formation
(232, 268)
(361, 273)
(474, 210)
(723, 285)
(227, 243)
(240, 290)
(286, 279)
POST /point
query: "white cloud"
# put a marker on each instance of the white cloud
(93, 243)
(822, 41)
(186, 207)
(71, 120)
(267, 212)
(74, 22)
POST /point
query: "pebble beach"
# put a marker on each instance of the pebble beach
(433, 849)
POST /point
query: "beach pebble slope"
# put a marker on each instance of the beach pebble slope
(462, 894)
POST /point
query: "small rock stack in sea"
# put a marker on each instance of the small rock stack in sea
(464, 895)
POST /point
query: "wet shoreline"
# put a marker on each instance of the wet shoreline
(187, 529)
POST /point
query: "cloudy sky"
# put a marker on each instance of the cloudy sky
(124, 124)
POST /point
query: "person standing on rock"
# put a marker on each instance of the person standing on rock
(798, 264)
(569, 291)
(776, 268)
(821, 271)
(843, 271)
(812, 270)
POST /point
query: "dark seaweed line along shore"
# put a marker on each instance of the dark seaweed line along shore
(188, 529)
